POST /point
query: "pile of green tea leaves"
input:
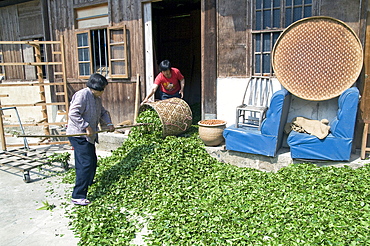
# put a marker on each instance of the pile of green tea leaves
(186, 197)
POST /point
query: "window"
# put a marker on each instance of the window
(101, 50)
(270, 19)
(92, 16)
(118, 52)
(83, 52)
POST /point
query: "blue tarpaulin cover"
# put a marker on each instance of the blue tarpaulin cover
(337, 145)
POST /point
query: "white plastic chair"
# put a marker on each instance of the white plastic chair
(255, 102)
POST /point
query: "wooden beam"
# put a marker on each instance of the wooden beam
(64, 71)
(32, 104)
(29, 42)
(209, 58)
(29, 63)
(137, 97)
(37, 144)
(35, 124)
(2, 135)
(30, 84)
(148, 42)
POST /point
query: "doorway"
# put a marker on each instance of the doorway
(177, 38)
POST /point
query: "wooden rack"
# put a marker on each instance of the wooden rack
(57, 50)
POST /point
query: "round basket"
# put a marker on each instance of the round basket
(317, 58)
(175, 115)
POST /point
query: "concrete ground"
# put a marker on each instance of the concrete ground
(21, 220)
(23, 223)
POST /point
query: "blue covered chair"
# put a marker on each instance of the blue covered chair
(269, 138)
(338, 144)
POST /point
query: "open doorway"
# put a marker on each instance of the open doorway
(177, 38)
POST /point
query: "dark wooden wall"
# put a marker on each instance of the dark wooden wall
(119, 97)
(10, 31)
(233, 44)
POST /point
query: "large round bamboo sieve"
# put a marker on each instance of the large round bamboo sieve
(317, 58)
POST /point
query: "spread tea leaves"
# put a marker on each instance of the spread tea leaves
(186, 197)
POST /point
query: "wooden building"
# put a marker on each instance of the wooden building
(217, 44)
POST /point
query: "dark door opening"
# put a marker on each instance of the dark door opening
(177, 38)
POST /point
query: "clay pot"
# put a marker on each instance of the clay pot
(210, 131)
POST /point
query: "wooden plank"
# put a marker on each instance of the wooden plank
(38, 144)
(40, 78)
(30, 84)
(149, 57)
(29, 63)
(365, 98)
(32, 104)
(4, 162)
(29, 42)
(65, 89)
(32, 158)
(9, 18)
(2, 134)
(28, 57)
(209, 58)
(137, 97)
(41, 124)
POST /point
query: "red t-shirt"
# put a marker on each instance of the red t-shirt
(169, 85)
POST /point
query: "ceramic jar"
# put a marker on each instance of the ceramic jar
(210, 131)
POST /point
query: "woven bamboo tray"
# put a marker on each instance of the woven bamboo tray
(175, 115)
(317, 58)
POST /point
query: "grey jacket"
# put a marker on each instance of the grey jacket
(86, 109)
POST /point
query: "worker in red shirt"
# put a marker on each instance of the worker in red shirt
(170, 81)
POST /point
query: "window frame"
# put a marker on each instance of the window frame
(273, 31)
(109, 47)
(89, 52)
(115, 44)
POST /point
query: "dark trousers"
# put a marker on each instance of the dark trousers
(85, 165)
(165, 96)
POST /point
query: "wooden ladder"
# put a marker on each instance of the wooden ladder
(61, 86)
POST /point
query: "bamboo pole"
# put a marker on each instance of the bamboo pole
(42, 88)
(2, 135)
(78, 134)
(31, 84)
(64, 71)
(137, 97)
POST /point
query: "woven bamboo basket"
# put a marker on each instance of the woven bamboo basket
(175, 115)
(317, 58)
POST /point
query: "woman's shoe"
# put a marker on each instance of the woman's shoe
(82, 202)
